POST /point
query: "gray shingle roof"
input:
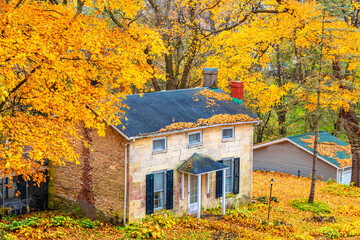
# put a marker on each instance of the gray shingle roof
(324, 137)
(154, 111)
(199, 164)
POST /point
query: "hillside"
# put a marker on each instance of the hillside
(335, 214)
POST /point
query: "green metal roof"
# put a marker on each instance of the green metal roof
(323, 138)
(199, 164)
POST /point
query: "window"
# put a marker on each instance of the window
(228, 175)
(195, 138)
(232, 177)
(228, 133)
(159, 191)
(159, 144)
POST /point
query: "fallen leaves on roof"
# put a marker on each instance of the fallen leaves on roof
(211, 96)
(216, 119)
(216, 95)
(331, 149)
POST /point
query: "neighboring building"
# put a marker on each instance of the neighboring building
(180, 151)
(16, 195)
(294, 155)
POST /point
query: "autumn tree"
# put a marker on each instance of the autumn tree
(57, 67)
(188, 27)
(254, 50)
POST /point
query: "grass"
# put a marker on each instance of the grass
(333, 215)
(315, 207)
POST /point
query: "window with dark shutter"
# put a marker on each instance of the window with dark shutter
(236, 187)
(149, 193)
(219, 177)
(169, 189)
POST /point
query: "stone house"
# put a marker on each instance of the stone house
(179, 151)
(294, 155)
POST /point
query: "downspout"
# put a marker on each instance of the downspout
(126, 168)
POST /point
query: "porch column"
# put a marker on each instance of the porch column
(223, 192)
(199, 196)
(182, 186)
(208, 184)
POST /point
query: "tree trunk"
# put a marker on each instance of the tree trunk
(339, 125)
(170, 81)
(261, 129)
(351, 125)
(280, 109)
(281, 112)
(153, 79)
(194, 46)
(317, 113)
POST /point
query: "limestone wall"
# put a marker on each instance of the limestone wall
(96, 186)
(143, 161)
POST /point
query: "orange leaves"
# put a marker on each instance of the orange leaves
(225, 118)
(178, 126)
(216, 95)
(216, 119)
(55, 71)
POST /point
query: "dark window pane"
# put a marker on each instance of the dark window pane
(158, 144)
(228, 133)
(194, 138)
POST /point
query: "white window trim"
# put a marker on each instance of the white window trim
(163, 207)
(222, 133)
(195, 144)
(232, 173)
(161, 150)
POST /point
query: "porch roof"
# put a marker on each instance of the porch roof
(199, 164)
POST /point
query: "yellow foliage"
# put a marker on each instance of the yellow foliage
(56, 68)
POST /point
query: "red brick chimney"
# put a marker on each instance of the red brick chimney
(237, 90)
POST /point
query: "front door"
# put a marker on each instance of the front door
(193, 203)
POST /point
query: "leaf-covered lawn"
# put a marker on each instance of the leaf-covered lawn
(335, 214)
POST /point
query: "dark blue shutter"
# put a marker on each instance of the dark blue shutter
(149, 193)
(236, 185)
(169, 189)
(219, 177)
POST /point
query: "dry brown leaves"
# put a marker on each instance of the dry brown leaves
(330, 149)
(216, 119)
(211, 96)
(288, 188)
(218, 96)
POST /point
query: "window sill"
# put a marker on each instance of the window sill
(195, 145)
(227, 139)
(159, 151)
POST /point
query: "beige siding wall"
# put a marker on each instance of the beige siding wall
(287, 158)
(143, 161)
(102, 179)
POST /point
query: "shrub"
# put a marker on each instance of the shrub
(341, 190)
(316, 207)
(265, 199)
(27, 222)
(330, 232)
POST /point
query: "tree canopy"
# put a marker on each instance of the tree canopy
(57, 66)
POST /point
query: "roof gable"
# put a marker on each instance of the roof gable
(154, 111)
(199, 164)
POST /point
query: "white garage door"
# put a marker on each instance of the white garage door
(346, 176)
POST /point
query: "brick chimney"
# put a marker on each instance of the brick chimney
(210, 77)
(237, 90)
